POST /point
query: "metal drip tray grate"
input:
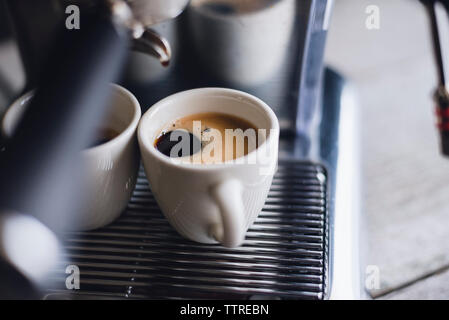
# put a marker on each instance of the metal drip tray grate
(141, 255)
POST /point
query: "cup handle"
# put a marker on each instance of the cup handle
(228, 196)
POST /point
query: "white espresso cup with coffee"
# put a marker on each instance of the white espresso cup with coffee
(110, 164)
(208, 195)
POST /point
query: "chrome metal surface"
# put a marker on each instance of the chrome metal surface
(141, 256)
(150, 42)
(137, 15)
(347, 236)
(334, 142)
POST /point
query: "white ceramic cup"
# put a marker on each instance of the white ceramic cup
(110, 169)
(210, 202)
(246, 46)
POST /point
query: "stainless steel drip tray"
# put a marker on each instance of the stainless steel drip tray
(285, 254)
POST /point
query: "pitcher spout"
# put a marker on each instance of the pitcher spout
(153, 44)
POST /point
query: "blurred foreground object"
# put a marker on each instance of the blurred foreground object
(40, 168)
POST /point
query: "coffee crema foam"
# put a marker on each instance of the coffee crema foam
(208, 138)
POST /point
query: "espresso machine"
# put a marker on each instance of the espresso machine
(305, 244)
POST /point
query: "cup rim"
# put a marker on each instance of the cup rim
(122, 135)
(148, 145)
(130, 128)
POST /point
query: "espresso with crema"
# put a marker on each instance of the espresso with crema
(207, 138)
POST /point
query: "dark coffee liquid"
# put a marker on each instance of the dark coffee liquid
(102, 136)
(168, 140)
(206, 133)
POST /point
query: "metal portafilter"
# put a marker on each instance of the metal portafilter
(40, 183)
(137, 15)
